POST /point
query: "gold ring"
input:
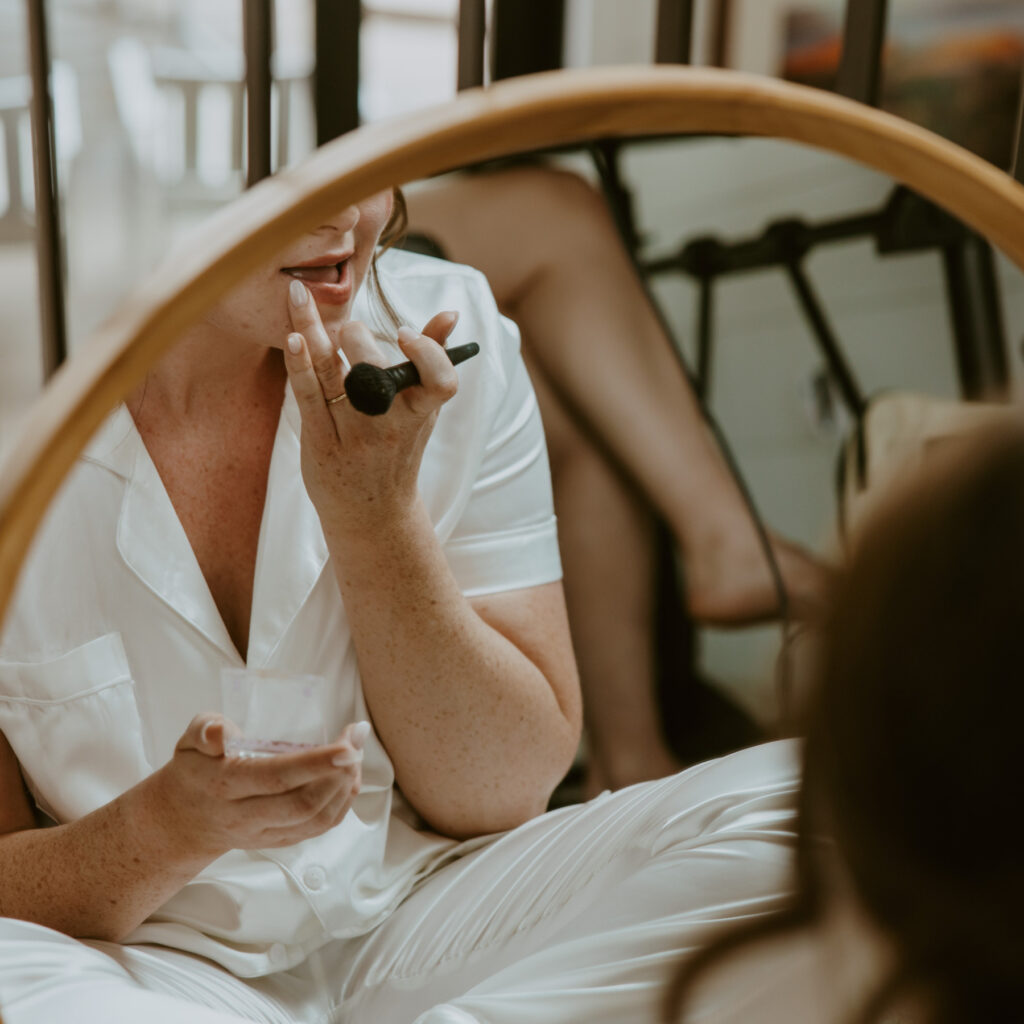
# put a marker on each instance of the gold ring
(337, 398)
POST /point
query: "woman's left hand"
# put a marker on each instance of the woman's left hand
(361, 471)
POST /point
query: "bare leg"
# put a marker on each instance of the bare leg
(607, 553)
(553, 257)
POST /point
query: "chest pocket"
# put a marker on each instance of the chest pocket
(74, 725)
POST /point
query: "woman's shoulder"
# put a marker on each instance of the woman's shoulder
(406, 265)
(417, 284)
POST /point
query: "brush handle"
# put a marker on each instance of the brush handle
(405, 375)
(371, 389)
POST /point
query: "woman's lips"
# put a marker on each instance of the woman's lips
(328, 275)
(328, 284)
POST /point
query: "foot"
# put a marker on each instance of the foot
(728, 582)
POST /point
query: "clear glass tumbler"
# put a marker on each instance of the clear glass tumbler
(276, 712)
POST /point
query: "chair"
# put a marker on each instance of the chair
(521, 114)
(17, 215)
(164, 99)
(896, 436)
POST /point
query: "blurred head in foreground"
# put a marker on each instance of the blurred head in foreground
(913, 773)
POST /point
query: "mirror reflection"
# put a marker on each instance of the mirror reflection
(407, 644)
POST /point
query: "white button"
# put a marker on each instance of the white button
(278, 954)
(314, 877)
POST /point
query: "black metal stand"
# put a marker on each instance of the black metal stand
(705, 320)
(1017, 157)
(860, 68)
(838, 366)
(979, 334)
(907, 223)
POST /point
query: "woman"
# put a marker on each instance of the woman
(416, 570)
(911, 910)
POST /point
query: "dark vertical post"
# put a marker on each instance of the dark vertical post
(49, 242)
(472, 29)
(336, 76)
(860, 69)
(674, 44)
(258, 19)
(979, 334)
(1017, 160)
(721, 31)
(528, 36)
(705, 327)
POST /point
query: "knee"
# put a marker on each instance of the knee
(560, 201)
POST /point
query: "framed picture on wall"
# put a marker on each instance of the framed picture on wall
(953, 66)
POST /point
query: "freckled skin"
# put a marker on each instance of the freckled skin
(215, 472)
(476, 701)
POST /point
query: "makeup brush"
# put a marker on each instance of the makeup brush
(371, 389)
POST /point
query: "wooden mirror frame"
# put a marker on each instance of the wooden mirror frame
(514, 116)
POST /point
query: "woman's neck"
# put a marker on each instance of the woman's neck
(209, 372)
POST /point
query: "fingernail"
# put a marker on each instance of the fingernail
(357, 736)
(407, 334)
(204, 733)
(297, 293)
(454, 314)
(295, 344)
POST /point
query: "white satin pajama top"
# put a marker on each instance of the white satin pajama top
(113, 642)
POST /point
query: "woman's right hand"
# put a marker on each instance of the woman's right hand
(216, 803)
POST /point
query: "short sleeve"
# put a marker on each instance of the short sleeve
(507, 536)
(485, 477)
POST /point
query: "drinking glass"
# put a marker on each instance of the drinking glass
(277, 712)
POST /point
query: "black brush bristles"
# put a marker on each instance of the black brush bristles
(370, 389)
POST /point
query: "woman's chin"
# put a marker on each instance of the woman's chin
(333, 320)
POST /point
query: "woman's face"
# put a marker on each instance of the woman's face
(331, 261)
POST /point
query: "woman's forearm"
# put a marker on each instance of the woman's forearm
(100, 876)
(479, 732)
(104, 874)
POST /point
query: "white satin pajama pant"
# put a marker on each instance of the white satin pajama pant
(580, 915)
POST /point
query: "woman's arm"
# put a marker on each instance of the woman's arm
(104, 874)
(97, 877)
(477, 703)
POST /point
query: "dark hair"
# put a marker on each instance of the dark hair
(913, 756)
(394, 231)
